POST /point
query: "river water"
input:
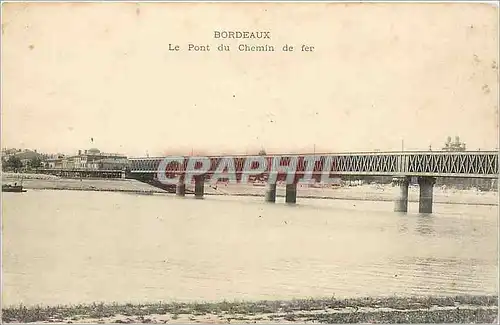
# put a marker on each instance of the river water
(62, 247)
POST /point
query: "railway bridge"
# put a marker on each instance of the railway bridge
(425, 165)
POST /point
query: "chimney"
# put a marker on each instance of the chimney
(79, 152)
(85, 151)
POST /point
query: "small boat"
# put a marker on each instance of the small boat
(12, 188)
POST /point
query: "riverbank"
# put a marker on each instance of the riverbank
(460, 309)
(365, 192)
(49, 182)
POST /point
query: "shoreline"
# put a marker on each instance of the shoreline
(314, 197)
(456, 309)
(356, 193)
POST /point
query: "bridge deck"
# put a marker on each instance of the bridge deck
(474, 164)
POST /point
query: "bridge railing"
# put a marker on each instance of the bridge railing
(445, 164)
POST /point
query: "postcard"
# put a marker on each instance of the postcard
(240, 162)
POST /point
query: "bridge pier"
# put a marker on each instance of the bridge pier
(401, 201)
(271, 192)
(180, 189)
(199, 187)
(291, 193)
(426, 185)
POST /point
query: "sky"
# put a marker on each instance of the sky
(381, 77)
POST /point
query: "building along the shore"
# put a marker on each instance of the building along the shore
(94, 159)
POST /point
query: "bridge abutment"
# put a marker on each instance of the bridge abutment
(401, 201)
(199, 187)
(271, 192)
(426, 185)
(291, 193)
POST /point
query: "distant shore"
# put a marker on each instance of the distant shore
(460, 309)
(364, 192)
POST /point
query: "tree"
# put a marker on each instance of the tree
(4, 163)
(36, 162)
(262, 152)
(14, 162)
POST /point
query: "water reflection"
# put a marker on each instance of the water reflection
(402, 222)
(425, 225)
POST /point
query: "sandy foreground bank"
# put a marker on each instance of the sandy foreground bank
(461, 309)
(364, 192)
